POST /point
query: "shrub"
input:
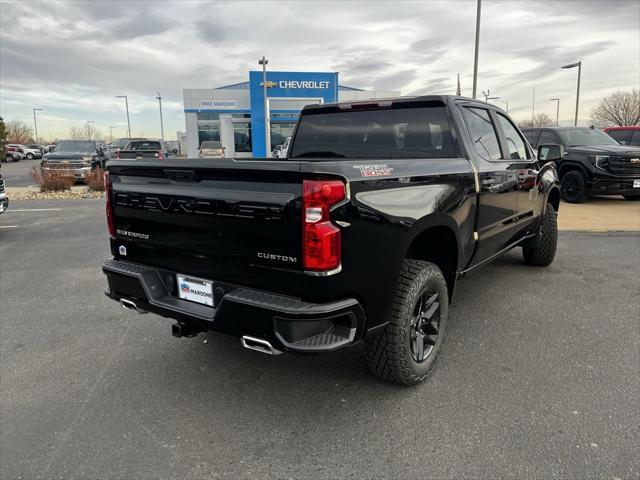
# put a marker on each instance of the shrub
(95, 180)
(52, 180)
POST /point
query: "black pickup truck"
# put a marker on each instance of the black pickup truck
(589, 162)
(145, 148)
(359, 235)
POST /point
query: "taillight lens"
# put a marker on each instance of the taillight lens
(160, 155)
(321, 239)
(108, 190)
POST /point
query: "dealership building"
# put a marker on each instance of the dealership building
(235, 114)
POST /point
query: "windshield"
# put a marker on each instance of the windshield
(76, 147)
(210, 144)
(585, 136)
(380, 133)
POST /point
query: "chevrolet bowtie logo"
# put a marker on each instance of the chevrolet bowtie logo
(268, 84)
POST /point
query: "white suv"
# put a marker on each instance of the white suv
(29, 153)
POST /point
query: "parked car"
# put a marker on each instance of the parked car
(147, 148)
(625, 135)
(29, 153)
(589, 162)
(35, 146)
(50, 148)
(4, 200)
(12, 156)
(211, 149)
(356, 236)
(77, 156)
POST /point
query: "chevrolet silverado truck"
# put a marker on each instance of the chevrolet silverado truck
(589, 162)
(79, 157)
(360, 234)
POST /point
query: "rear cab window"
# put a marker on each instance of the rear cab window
(396, 132)
(144, 145)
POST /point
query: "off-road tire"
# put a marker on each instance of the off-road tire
(573, 187)
(389, 351)
(543, 254)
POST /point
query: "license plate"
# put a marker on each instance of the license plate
(636, 184)
(195, 290)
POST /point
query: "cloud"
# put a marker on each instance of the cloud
(75, 56)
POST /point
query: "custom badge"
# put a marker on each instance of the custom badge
(378, 170)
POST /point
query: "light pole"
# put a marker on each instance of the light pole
(533, 108)
(579, 65)
(126, 104)
(475, 61)
(89, 129)
(35, 122)
(267, 133)
(557, 100)
(161, 125)
(111, 134)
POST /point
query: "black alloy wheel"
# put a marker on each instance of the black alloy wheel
(573, 187)
(425, 325)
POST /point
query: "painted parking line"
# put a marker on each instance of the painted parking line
(8, 226)
(34, 210)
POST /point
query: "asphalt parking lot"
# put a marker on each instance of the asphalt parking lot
(16, 174)
(539, 376)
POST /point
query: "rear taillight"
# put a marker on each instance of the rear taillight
(160, 155)
(108, 192)
(321, 239)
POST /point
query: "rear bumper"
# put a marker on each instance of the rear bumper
(288, 323)
(614, 185)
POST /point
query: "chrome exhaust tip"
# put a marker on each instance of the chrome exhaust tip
(129, 305)
(259, 345)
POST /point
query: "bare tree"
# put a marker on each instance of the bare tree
(618, 109)
(85, 132)
(540, 120)
(19, 132)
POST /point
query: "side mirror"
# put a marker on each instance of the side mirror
(550, 152)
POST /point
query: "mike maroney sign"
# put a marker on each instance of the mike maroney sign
(222, 104)
(309, 84)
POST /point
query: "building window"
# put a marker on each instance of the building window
(208, 127)
(280, 132)
(242, 137)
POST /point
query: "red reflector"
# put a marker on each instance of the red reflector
(321, 239)
(160, 155)
(108, 192)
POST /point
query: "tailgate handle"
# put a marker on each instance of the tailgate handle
(181, 175)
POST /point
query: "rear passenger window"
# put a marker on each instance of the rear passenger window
(483, 134)
(515, 144)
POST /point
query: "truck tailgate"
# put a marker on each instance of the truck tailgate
(222, 219)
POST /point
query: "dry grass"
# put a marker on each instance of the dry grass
(95, 180)
(52, 180)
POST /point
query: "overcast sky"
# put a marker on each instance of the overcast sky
(72, 57)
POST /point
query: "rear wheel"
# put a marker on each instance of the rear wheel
(632, 198)
(29, 156)
(573, 187)
(405, 351)
(543, 254)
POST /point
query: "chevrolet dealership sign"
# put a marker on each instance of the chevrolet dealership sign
(306, 84)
